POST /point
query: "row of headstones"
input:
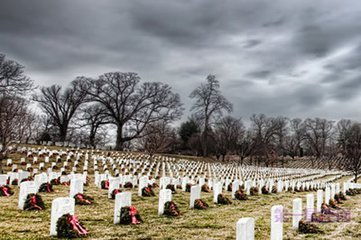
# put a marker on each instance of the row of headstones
(245, 226)
(258, 170)
(164, 181)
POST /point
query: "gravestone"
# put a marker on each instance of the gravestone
(245, 229)
(59, 207)
(114, 183)
(319, 200)
(310, 205)
(217, 189)
(296, 212)
(76, 186)
(3, 179)
(277, 222)
(26, 188)
(235, 187)
(143, 182)
(123, 199)
(195, 194)
(327, 195)
(165, 195)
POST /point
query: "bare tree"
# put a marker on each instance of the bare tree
(159, 138)
(12, 78)
(94, 117)
(228, 132)
(13, 111)
(13, 83)
(61, 106)
(317, 133)
(132, 106)
(343, 129)
(210, 103)
(264, 133)
(352, 152)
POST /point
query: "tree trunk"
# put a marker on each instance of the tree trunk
(205, 142)
(119, 146)
(62, 133)
(356, 177)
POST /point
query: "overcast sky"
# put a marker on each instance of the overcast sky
(291, 58)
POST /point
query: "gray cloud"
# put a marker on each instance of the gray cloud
(298, 59)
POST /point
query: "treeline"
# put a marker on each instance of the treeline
(143, 113)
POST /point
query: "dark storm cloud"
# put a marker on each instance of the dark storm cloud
(292, 58)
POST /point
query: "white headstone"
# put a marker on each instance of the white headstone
(245, 229)
(319, 200)
(76, 186)
(165, 195)
(195, 194)
(3, 179)
(296, 212)
(143, 182)
(310, 206)
(114, 183)
(235, 187)
(327, 195)
(26, 188)
(277, 222)
(123, 199)
(217, 189)
(59, 207)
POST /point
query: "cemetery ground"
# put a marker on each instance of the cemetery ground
(217, 222)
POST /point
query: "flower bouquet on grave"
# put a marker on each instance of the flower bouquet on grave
(200, 204)
(337, 198)
(240, 195)
(104, 184)
(66, 183)
(241, 187)
(350, 192)
(115, 192)
(34, 202)
(254, 191)
(274, 189)
(308, 227)
(82, 199)
(333, 204)
(15, 182)
(171, 209)
(289, 189)
(264, 190)
(188, 187)
(155, 185)
(5, 191)
(148, 192)
(128, 185)
(27, 179)
(172, 188)
(23, 163)
(129, 215)
(329, 214)
(55, 167)
(229, 188)
(55, 181)
(68, 226)
(205, 188)
(221, 199)
(46, 187)
(342, 196)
